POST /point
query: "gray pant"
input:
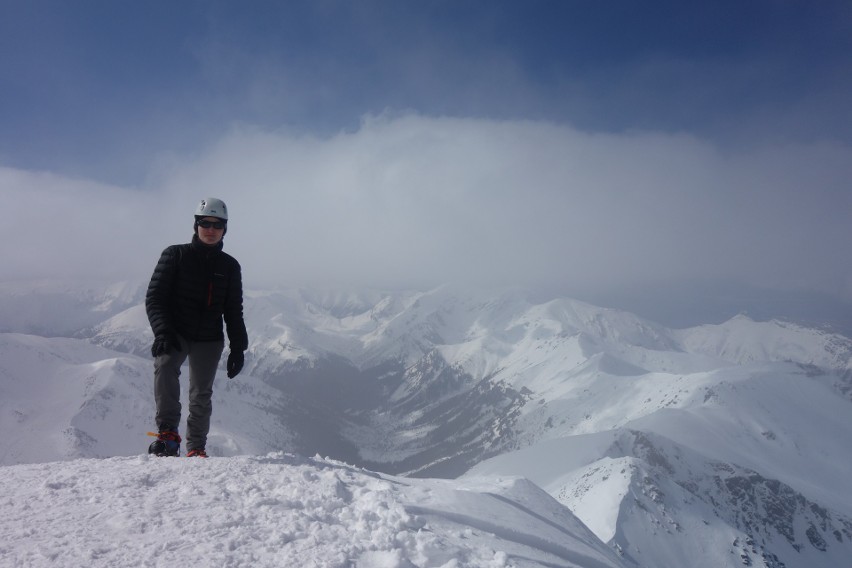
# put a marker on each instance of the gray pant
(203, 361)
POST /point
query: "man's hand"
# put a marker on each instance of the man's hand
(236, 359)
(164, 344)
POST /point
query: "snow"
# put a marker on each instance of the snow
(277, 510)
(742, 340)
(596, 438)
(66, 398)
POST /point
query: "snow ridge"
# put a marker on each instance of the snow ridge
(729, 439)
(278, 510)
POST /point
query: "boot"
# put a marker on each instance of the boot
(166, 444)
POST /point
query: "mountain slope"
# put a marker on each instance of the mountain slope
(653, 500)
(278, 510)
(731, 439)
(64, 398)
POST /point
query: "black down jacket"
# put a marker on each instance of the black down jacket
(195, 287)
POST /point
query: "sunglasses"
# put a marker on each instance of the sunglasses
(214, 224)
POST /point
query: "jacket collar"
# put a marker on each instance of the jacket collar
(207, 249)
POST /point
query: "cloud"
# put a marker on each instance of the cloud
(410, 200)
(60, 228)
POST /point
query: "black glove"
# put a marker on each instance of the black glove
(164, 344)
(235, 363)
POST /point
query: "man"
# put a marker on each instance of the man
(195, 286)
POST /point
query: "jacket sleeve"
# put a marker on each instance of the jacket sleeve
(158, 297)
(234, 321)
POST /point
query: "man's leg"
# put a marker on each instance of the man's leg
(203, 363)
(167, 387)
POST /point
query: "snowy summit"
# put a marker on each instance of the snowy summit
(461, 429)
(278, 510)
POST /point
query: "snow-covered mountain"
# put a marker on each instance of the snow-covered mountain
(279, 510)
(717, 445)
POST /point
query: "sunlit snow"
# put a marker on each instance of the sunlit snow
(590, 437)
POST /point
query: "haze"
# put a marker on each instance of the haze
(553, 144)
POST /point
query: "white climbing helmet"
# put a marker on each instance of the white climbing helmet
(212, 207)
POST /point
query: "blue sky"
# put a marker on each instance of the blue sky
(676, 140)
(133, 79)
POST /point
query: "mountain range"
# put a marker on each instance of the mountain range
(713, 445)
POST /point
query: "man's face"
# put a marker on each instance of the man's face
(210, 235)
